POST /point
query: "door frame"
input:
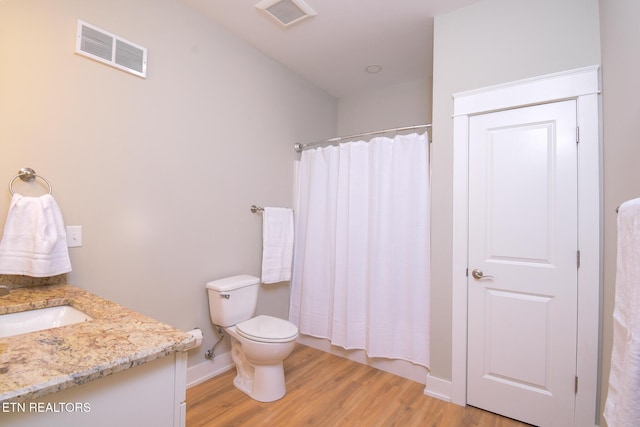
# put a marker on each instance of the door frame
(583, 85)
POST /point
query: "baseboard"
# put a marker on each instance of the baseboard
(209, 369)
(438, 388)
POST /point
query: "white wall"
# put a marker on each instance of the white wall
(160, 172)
(403, 104)
(487, 43)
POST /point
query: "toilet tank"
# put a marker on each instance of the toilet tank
(233, 299)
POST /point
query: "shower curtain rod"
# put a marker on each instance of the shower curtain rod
(301, 147)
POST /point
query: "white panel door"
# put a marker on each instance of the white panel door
(522, 286)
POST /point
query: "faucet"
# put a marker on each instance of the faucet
(4, 290)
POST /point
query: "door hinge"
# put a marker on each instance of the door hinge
(577, 135)
(576, 385)
(578, 258)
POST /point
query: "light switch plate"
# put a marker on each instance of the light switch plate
(74, 236)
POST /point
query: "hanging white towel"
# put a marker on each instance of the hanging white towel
(35, 240)
(622, 407)
(277, 244)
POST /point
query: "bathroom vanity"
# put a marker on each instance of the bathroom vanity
(116, 367)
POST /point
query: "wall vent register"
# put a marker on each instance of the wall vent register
(111, 49)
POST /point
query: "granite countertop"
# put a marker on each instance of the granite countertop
(38, 363)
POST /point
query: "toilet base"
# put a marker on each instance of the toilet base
(263, 382)
(267, 384)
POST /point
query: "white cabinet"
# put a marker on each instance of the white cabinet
(152, 394)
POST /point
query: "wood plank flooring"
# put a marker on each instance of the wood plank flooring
(326, 390)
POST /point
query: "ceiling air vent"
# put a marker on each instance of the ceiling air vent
(286, 12)
(110, 49)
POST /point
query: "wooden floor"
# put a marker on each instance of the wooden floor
(327, 390)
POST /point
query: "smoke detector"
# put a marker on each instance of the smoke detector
(286, 12)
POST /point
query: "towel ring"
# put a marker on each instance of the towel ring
(28, 174)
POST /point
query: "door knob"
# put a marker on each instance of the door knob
(477, 274)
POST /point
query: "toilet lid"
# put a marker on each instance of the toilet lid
(267, 329)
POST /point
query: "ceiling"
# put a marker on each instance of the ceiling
(333, 48)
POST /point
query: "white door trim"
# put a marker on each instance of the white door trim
(583, 85)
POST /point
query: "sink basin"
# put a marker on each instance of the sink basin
(36, 320)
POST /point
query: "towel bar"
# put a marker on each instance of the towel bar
(28, 174)
(255, 209)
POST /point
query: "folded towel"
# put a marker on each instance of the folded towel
(35, 239)
(622, 407)
(277, 244)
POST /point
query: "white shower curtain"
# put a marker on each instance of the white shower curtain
(361, 258)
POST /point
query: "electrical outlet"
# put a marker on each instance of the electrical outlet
(74, 236)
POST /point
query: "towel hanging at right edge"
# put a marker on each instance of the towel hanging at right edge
(622, 407)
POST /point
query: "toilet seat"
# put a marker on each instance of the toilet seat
(267, 329)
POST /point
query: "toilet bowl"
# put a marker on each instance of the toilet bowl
(259, 364)
(259, 344)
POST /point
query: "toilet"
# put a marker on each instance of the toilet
(258, 344)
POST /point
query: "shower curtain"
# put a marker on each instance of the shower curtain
(361, 258)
